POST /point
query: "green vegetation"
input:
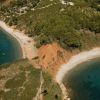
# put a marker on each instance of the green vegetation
(91, 3)
(73, 27)
(20, 81)
(15, 82)
(15, 8)
(51, 90)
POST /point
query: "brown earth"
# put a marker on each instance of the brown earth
(5, 2)
(52, 56)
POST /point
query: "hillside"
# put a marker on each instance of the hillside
(74, 24)
(20, 81)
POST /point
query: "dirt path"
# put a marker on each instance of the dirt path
(39, 95)
(44, 6)
(64, 92)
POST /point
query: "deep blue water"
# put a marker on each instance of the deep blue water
(10, 49)
(83, 82)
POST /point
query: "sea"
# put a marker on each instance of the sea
(83, 81)
(10, 49)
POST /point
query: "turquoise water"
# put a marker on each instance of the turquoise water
(83, 82)
(10, 49)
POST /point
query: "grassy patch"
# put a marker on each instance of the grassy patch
(51, 90)
(16, 82)
(23, 81)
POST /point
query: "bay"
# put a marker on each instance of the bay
(83, 81)
(10, 49)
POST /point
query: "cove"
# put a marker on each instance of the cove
(10, 49)
(83, 81)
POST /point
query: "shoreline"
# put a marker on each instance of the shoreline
(26, 43)
(75, 60)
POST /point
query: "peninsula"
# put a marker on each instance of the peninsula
(55, 36)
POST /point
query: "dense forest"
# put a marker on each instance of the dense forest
(73, 27)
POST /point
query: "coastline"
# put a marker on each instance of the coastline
(75, 60)
(26, 43)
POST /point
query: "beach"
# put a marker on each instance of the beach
(26, 43)
(75, 60)
(83, 81)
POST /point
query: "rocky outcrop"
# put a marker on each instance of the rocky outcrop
(52, 56)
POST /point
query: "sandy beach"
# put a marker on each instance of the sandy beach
(75, 60)
(26, 43)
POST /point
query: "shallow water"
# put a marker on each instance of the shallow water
(83, 82)
(10, 49)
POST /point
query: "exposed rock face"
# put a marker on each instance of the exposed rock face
(52, 56)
